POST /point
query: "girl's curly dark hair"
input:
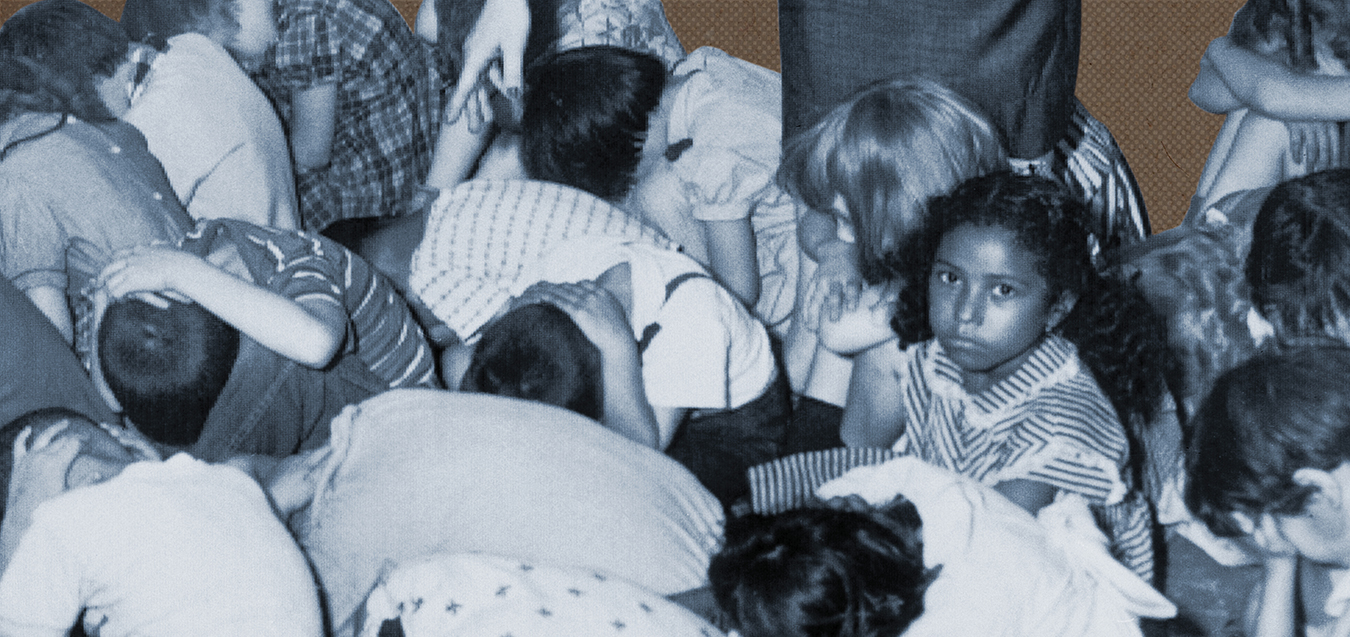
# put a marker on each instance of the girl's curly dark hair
(51, 53)
(1119, 336)
(823, 571)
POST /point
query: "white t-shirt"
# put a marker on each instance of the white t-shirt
(709, 353)
(169, 548)
(1004, 572)
(216, 134)
(420, 471)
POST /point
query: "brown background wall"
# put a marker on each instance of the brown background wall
(1138, 58)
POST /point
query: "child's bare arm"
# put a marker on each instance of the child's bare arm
(732, 257)
(308, 334)
(873, 414)
(458, 146)
(312, 125)
(498, 36)
(1210, 93)
(1276, 91)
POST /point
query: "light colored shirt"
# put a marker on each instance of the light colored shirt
(218, 137)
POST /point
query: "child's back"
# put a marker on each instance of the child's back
(146, 547)
(218, 137)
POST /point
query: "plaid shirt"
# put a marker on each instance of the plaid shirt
(388, 103)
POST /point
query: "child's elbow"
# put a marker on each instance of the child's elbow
(320, 351)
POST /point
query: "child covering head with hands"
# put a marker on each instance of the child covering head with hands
(94, 522)
(1270, 458)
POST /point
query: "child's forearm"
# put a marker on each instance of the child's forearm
(1271, 608)
(1209, 92)
(732, 257)
(274, 321)
(458, 147)
(873, 415)
(1276, 91)
(312, 124)
(626, 408)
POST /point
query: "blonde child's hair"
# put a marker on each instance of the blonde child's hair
(886, 151)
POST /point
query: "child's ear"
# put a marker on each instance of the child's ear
(1059, 310)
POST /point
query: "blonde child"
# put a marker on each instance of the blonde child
(863, 175)
(217, 135)
(1279, 76)
(1017, 361)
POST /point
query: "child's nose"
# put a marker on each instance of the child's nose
(970, 307)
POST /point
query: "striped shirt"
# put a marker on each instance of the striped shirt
(308, 268)
(1048, 422)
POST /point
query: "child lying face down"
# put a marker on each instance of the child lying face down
(95, 522)
(942, 555)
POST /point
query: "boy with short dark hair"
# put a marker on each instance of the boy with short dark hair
(1270, 458)
(95, 523)
(320, 329)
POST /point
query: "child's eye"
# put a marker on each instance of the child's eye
(1003, 289)
(944, 276)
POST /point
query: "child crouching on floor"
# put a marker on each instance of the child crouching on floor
(940, 555)
(1270, 459)
(94, 522)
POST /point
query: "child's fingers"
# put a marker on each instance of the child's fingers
(151, 298)
(45, 438)
(21, 443)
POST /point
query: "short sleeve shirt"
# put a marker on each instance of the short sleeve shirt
(388, 103)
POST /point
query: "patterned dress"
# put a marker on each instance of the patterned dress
(1048, 422)
(388, 104)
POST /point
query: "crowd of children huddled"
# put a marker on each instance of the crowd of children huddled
(524, 321)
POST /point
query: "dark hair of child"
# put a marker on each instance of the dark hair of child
(820, 571)
(1298, 267)
(155, 21)
(1262, 421)
(166, 367)
(1292, 26)
(52, 51)
(1118, 335)
(9, 434)
(536, 352)
(585, 117)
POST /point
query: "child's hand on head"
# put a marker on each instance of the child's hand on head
(153, 273)
(593, 308)
(39, 470)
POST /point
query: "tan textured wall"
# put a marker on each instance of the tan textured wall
(1138, 58)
